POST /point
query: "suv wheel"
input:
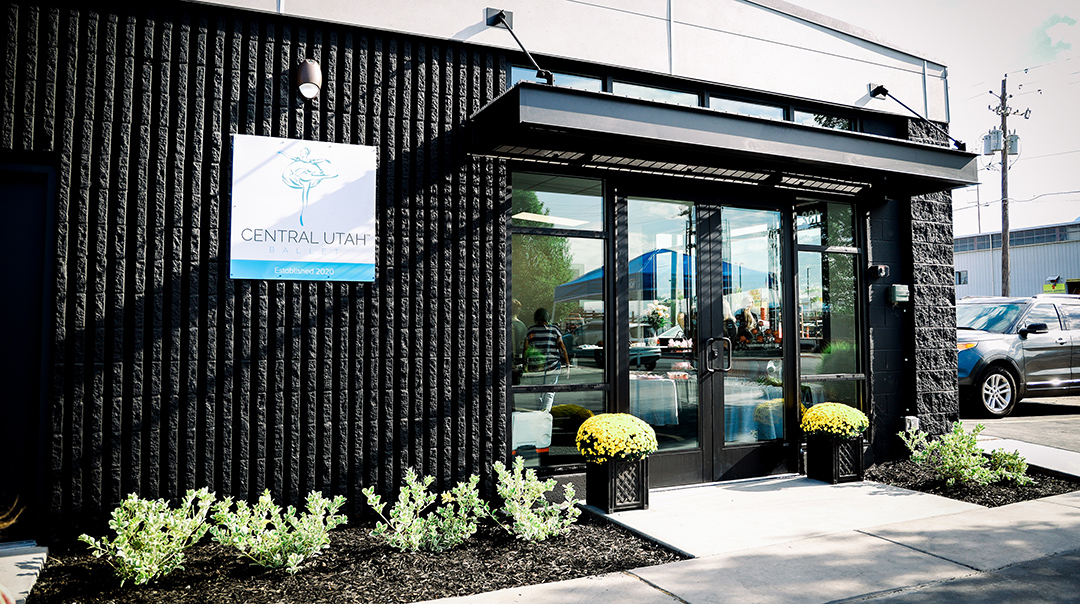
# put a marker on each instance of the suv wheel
(995, 394)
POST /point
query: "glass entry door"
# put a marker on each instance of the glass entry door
(706, 334)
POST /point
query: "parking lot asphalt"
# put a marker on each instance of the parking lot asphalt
(1052, 422)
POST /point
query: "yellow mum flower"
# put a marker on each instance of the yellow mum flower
(618, 436)
(834, 419)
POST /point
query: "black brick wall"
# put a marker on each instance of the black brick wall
(167, 375)
(890, 344)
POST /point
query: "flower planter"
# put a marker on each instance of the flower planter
(614, 486)
(834, 460)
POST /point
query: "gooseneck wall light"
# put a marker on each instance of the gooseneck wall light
(878, 91)
(309, 79)
(495, 17)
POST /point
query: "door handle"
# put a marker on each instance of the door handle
(718, 348)
(710, 355)
(1063, 341)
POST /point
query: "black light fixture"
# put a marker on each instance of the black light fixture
(495, 17)
(880, 92)
(309, 79)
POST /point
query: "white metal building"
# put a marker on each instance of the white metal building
(1037, 256)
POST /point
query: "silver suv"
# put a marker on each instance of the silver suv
(1009, 348)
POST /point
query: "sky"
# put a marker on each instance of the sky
(1036, 44)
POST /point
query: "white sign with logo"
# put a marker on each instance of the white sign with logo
(302, 210)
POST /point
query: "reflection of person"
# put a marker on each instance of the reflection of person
(518, 326)
(547, 340)
(745, 319)
(550, 352)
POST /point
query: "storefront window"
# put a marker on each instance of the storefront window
(830, 341)
(558, 291)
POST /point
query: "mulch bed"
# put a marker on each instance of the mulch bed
(908, 475)
(357, 568)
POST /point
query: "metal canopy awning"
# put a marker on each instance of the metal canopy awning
(550, 125)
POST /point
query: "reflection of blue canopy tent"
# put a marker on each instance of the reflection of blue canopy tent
(590, 286)
(644, 277)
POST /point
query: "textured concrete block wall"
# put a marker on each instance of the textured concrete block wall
(167, 375)
(933, 302)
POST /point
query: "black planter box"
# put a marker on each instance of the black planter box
(834, 460)
(615, 486)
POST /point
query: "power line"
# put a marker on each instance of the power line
(987, 203)
(1055, 154)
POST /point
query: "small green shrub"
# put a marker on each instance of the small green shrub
(151, 537)
(273, 540)
(409, 529)
(532, 517)
(955, 457)
(1010, 466)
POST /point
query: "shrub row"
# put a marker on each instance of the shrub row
(151, 537)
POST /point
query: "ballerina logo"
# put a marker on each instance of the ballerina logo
(305, 173)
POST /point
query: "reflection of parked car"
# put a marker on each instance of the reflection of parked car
(671, 333)
(588, 340)
(1009, 348)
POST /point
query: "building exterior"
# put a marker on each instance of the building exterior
(724, 227)
(1041, 260)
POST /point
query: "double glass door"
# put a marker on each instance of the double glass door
(706, 331)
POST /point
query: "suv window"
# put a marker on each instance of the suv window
(1071, 314)
(1043, 313)
(995, 318)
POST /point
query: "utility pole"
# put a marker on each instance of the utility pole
(1005, 111)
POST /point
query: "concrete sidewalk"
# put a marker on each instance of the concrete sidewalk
(795, 540)
(20, 566)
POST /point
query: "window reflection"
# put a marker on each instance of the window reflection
(662, 308)
(557, 291)
(747, 108)
(548, 437)
(556, 202)
(656, 94)
(828, 224)
(563, 276)
(565, 80)
(824, 120)
(827, 308)
(752, 312)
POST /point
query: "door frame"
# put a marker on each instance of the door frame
(714, 461)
